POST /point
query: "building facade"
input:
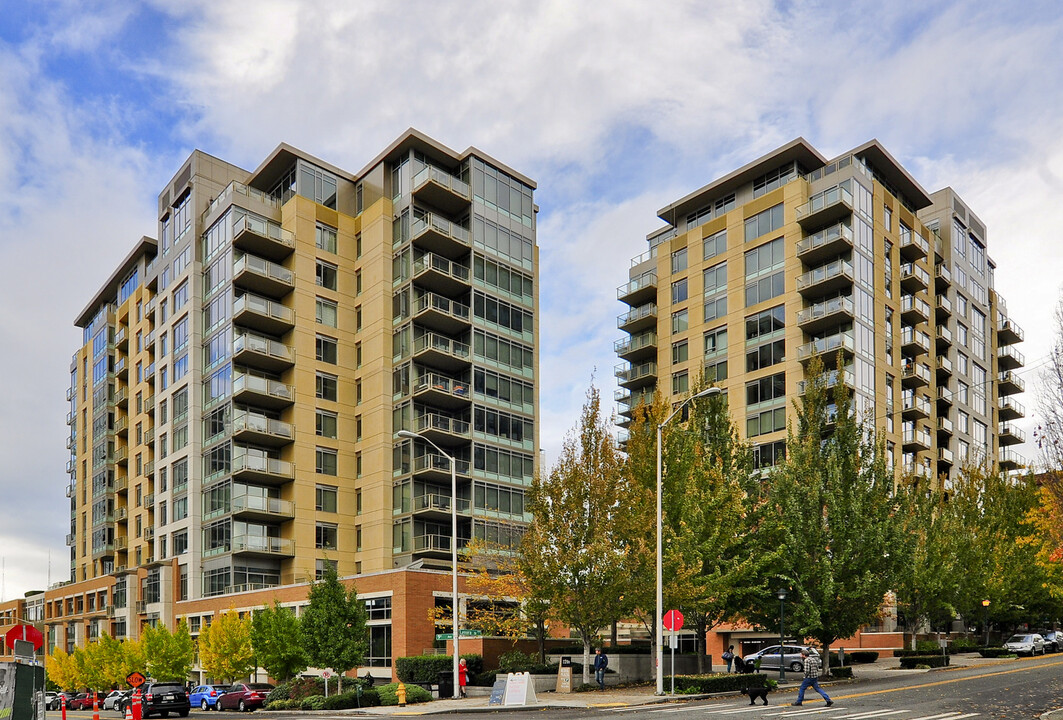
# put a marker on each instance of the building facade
(235, 403)
(796, 256)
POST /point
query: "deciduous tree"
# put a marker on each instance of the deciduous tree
(334, 625)
(169, 655)
(61, 669)
(278, 641)
(225, 647)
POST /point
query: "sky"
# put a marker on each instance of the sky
(615, 109)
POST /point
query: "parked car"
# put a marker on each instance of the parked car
(1026, 644)
(84, 701)
(49, 699)
(163, 698)
(124, 701)
(1053, 640)
(56, 702)
(112, 698)
(791, 657)
(244, 696)
(206, 696)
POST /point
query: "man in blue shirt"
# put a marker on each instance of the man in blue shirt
(601, 662)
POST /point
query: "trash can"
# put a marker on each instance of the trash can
(446, 684)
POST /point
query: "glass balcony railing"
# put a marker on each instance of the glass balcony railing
(263, 228)
(645, 281)
(253, 422)
(836, 198)
(649, 310)
(236, 188)
(634, 343)
(837, 269)
(432, 222)
(441, 177)
(839, 233)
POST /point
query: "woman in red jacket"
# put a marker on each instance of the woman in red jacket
(463, 676)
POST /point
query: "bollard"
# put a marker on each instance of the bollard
(137, 713)
(95, 705)
(62, 704)
(400, 693)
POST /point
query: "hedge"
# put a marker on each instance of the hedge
(300, 688)
(855, 657)
(919, 653)
(995, 652)
(719, 682)
(414, 694)
(929, 660)
(841, 672)
(426, 668)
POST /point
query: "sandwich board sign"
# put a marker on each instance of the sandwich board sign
(520, 689)
(564, 675)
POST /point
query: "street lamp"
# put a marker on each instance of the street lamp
(409, 435)
(781, 594)
(985, 621)
(660, 572)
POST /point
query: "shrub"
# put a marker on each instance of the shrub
(314, 702)
(426, 668)
(298, 689)
(965, 644)
(927, 647)
(485, 679)
(720, 682)
(348, 700)
(928, 660)
(841, 672)
(858, 657)
(414, 694)
(917, 653)
(284, 704)
(995, 652)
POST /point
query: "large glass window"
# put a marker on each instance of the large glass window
(765, 323)
(326, 536)
(326, 349)
(714, 245)
(764, 222)
(327, 312)
(325, 238)
(326, 388)
(325, 498)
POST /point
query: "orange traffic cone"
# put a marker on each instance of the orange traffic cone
(128, 712)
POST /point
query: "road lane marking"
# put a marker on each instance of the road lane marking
(980, 676)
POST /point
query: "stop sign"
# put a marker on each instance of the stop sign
(673, 620)
(24, 632)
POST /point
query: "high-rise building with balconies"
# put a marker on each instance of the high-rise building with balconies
(796, 256)
(236, 401)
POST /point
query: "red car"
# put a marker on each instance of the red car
(84, 701)
(244, 696)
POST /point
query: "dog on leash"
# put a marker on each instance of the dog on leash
(756, 692)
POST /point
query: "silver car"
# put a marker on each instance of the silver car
(1026, 644)
(791, 657)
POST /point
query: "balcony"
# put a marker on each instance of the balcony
(826, 243)
(441, 352)
(845, 377)
(639, 290)
(1010, 460)
(1009, 333)
(637, 347)
(1009, 358)
(262, 392)
(915, 407)
(438, 506)
(915, 375)
(440, 189)
(261, 546)
(121, 397)
(148, 437)
(1008, 383)
(121, 339)
(825, 279)
(827, 346)
(914, 278)
(916, 469)
(1010, 409)
(149, 404)
(914, 246)
(149, 532)
(631, 400)
(441, 313)
(262, 237)
(121, 426)
(825, 315)
(149, 468)
(944, 366)
(914, 342)
(71, 440)
(433, 467)
(71, 465)
(944, 397)
(442, 429)
(261, 469)
(915, 437)
(432, 544)
(914, 310)
(632, 376)
(121, 483)
(71, 417)
(944, 336)
(943, 306)
(944, 425)
(441, 391)
(121, 369)
(437, 273)
(121, 514)
(70, 539)
(70, 490)
(234, 193)
(121, 544)
(263, 509)
(439, 235)
(256, 429)
(263, 277)
(942, 277)
(262, 353)
(258, 313)
(826, 207)
(638, 318)
(121, 455)
(149, 340)
(945, 456)
(1011, 434)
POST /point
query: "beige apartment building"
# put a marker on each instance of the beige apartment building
(795, 256)
(235, 402)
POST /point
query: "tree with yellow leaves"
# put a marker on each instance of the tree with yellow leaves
(225, 651)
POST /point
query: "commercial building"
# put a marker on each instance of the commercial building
(235, 402)
(795, 256)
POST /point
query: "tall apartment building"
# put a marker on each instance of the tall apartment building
(794, 256)
(235, 404)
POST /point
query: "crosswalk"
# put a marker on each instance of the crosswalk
(837, 712)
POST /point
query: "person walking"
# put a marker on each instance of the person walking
(729, 656)
(601, 662)
(463, 677)
(812, 669)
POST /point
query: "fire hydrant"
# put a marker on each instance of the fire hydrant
(400, 693)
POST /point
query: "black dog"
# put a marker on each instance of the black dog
(744, 668)
(756, 692)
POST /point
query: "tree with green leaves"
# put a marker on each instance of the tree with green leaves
(278, 641)
(169, 655)
(585, 529)
(225, 647)
(836, 517)
(334, 625)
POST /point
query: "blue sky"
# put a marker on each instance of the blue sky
(615, 109)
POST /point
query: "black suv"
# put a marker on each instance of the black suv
(163, 698)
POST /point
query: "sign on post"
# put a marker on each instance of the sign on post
(135, 679)
(673, 620)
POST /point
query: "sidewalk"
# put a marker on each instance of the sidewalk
(644, 695)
